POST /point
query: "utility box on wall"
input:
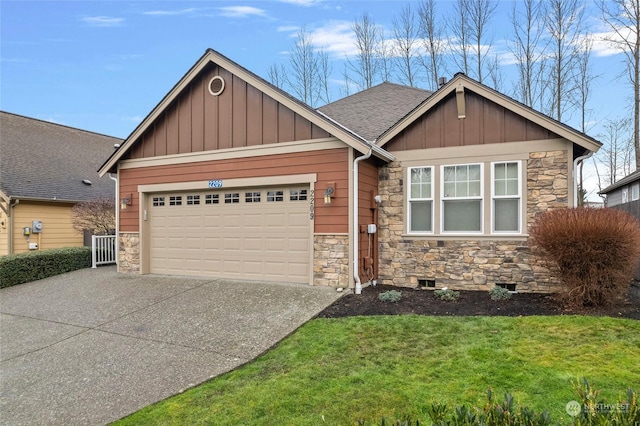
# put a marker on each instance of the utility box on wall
(36, 227)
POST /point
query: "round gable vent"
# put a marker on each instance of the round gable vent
(216, 85)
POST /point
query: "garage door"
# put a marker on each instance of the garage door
(252, 233)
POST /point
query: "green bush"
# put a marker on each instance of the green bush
(35, 265)
(499, 293)
(447, 294)
(390, 296)
(596, 252)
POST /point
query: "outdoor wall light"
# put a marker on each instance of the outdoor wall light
(125, 202)
(328, 193)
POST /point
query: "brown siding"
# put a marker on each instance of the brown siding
(485, 123)
(367, 214)
(240, 116)
(330, 165)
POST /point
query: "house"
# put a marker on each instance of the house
(625, 195)
(229, 176)
(45, 169)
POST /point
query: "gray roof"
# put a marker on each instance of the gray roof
(373, 111)
(635, 176)
(47, 161)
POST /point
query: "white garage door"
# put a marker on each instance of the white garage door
(253, 233)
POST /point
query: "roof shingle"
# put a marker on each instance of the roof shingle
(48, 161)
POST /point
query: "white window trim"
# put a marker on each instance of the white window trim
(443, 199)
(410, 199)
(507, 197)
(635, 191)
(625, 195)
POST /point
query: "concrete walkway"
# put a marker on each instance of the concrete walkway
(92, 346)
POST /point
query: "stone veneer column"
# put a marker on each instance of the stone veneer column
(129, 254)
(331, 260)
(475, 264)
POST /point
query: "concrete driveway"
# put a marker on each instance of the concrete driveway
(91, 346)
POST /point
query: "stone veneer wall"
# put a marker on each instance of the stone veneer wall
(331, 260)
(470, 264)
(129, 254)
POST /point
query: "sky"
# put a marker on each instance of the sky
(103, 66)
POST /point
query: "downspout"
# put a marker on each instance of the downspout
(356, 228)
(117, 204)
(10, 218)
(575, 174)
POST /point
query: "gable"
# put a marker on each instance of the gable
(240, 116)
(485, 122)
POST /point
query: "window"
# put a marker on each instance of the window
(232, 198)
(462, 198)
(298, 195)
(175, 200)
(275, 196)
(212, 199)
(635, 191)
(421, 199)
(251, 197)
(158, 201)
(625, 195)
(505, 194)
(193, 200)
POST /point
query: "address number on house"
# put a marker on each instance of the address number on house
(215, 183)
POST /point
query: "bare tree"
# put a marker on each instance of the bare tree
(494, 73)
(303, 78)
(405, 38)
(324, 73)
(459, 27)
(527, 24)
(584, 80)
(623, 17)
(277, 75)
(366, 65)
(563, 23)
(479, 15)
(432, 32)
(97, 216)
(384, 56)
(616, 155)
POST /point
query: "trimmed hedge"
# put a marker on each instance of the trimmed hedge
(35, 265)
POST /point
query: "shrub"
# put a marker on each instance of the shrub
(35, 265)
(390, 296)
(499, 293)
(595, 250)
(447, 294)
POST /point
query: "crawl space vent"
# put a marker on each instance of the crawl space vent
(216, 85)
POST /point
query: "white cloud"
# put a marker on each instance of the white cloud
(303, 2)
(336, 38)
(102, 21)
(288, 29)
(171, 12)
(241, 11)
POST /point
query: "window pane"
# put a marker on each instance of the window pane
(449, 190)
(474, 172)
(462, 215)
(415, 190)
(500, 187)
(512, 170)
(506, 215)
(512, 187)
(421, 182)
(462, 189)
(462, 173)
(500, 171)
(420, 216)
(474, 189)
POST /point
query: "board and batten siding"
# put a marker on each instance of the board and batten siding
(367, 214)
(57, 226)
(331, 165)
(240, 116)
(4, 231)
(485, 122)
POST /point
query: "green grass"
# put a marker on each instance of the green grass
(342, 370)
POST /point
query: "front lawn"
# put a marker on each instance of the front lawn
(336, 371)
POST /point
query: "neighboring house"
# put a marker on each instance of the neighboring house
(229, 176)
(625, 195)
(45, 169)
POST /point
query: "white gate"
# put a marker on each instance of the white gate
(103, 250)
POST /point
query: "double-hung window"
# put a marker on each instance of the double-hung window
(421, 200)
(462, 198)
(635, 192)
(505, 195)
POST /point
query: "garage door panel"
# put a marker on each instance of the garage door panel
(251, 240)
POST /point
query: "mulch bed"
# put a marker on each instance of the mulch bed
(470, 303)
